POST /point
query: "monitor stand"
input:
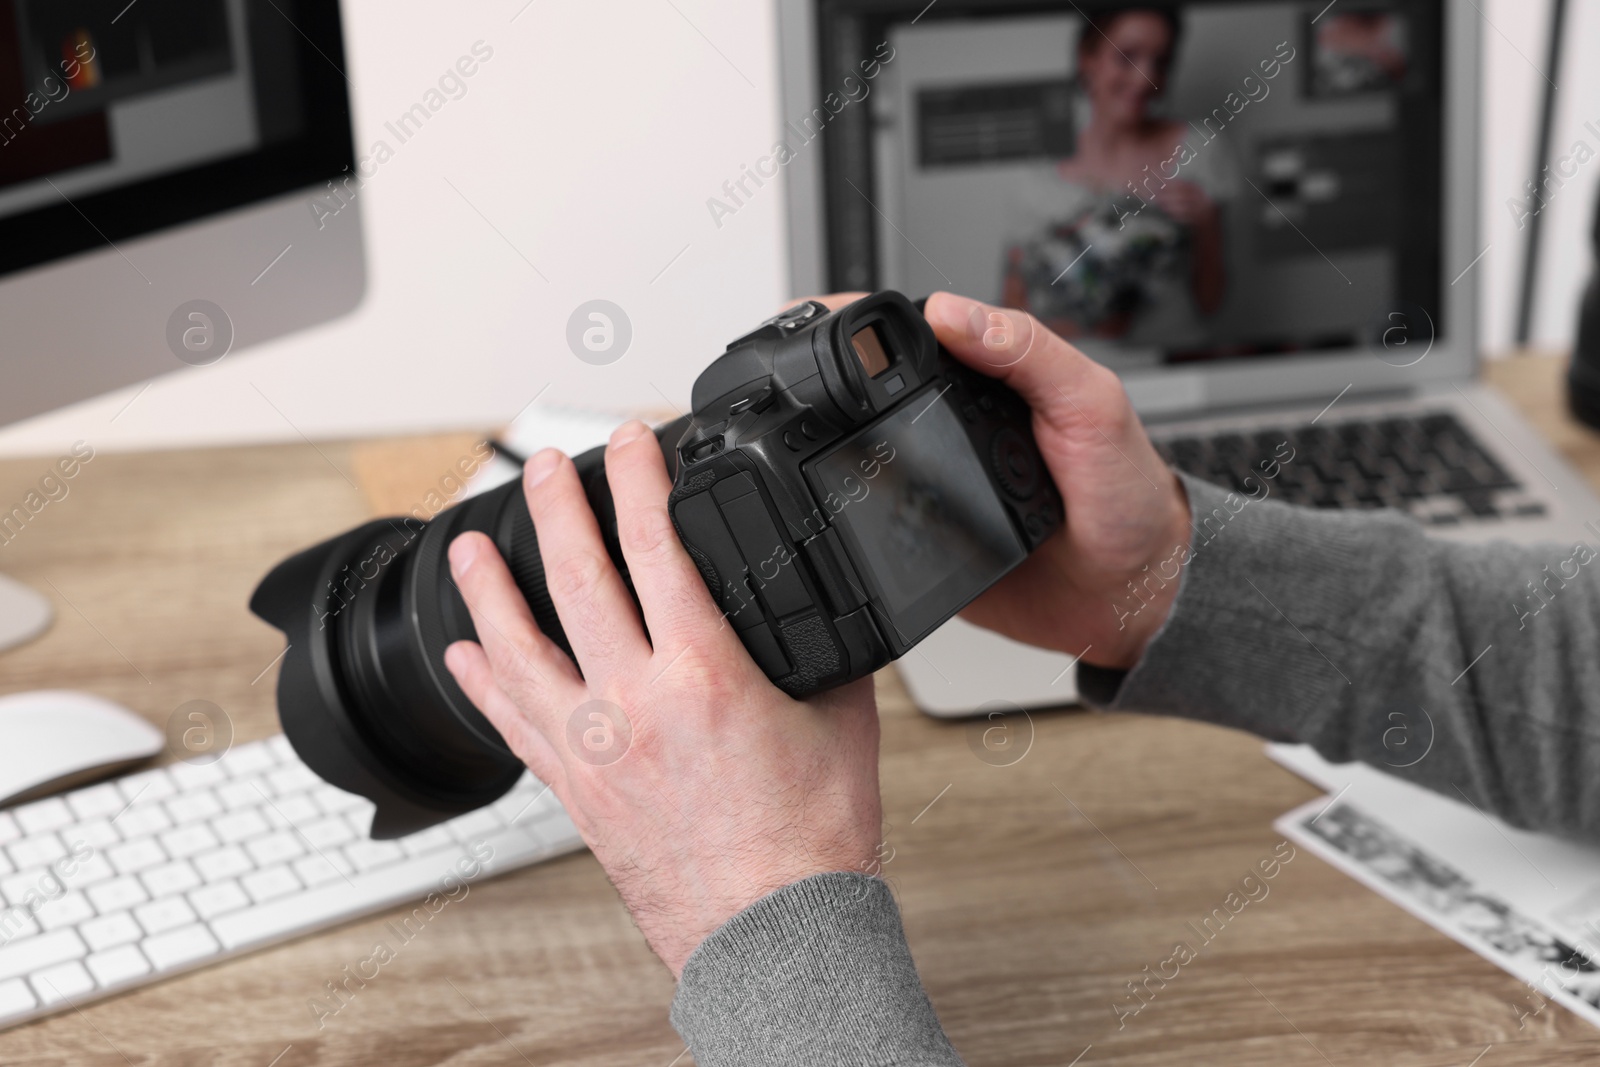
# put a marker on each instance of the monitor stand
(24, 614)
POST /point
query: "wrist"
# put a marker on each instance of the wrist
(686, 933)
(713, 895)
(1145, 599)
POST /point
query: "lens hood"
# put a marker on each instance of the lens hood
(353, 739)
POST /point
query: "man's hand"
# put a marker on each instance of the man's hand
(1127, 514)
(698, 784)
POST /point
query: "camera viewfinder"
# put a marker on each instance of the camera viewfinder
(868, 344)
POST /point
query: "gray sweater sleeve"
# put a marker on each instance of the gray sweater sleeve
(1472, 670)
(816, 974)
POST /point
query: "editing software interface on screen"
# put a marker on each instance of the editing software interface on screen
(99, 97)
(1281, 192)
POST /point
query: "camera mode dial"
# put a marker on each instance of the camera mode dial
(1014, 465)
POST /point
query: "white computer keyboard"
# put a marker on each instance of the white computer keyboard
(141, 877)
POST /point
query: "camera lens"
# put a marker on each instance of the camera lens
(363, 693)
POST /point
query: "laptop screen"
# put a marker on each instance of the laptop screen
(1162, 184)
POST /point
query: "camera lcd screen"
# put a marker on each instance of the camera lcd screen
(919, 513)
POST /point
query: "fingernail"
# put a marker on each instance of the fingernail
(628, 433)
(463, 554)
(542, 465)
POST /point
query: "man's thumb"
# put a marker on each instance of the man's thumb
(1014, 347)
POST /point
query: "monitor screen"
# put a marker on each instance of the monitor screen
(118, 119)
(1161, 183)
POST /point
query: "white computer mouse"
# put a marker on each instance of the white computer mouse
(55, 739)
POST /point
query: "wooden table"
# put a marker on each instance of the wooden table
(1028, 912)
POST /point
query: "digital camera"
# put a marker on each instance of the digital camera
(843, 484)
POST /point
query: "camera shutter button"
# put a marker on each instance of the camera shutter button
(1014, 464)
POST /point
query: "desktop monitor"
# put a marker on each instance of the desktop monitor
(1304, 172)
(176, 183)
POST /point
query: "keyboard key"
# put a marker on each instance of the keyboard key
(25, 889)
(229, 862)
(329, 832)
(515, 802)
(159, 916)
(194, 777)
(5, 864)
(22, 958)
(51, 813)
(281, 750)
(296, 778)
(143, 820)
(475, 825)
(213, 900)
(236, 795)
(433, 839)
(270, 884)
(534, 810)
(169, 880)
(559, 831)
(119, 965)
(16, 923)
(333, 800)
(315, 870)
(85, 873)
(96, 833)
(118, 895)
(369, 855)
(61, 982)
(511, 848)
(239, 825)
(16, 998)
(38, 851)
(96, 801)
(192, 807)
(67, 910)
(9, 830)
(250, 759)
(109, 931)
(177, 947)
(185, 841)
(136, 856)
(146, 787)
(294, 810)
(274, 848)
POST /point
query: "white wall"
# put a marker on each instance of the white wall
(593, 139)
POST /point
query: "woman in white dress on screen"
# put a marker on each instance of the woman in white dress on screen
(1124, 239)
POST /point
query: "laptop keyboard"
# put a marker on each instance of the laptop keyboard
(1428, 465)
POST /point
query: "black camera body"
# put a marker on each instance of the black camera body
(846, 486)
(843, 484)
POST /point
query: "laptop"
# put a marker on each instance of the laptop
(1263, 214)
